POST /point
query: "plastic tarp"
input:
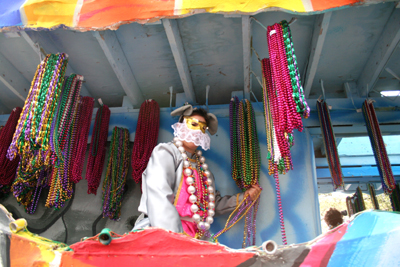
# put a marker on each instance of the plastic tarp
(87, 15)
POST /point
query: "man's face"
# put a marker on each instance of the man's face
(196, 122)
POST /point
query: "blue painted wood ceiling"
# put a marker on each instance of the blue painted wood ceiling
(354, 45)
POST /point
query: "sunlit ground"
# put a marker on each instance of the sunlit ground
(338, 200)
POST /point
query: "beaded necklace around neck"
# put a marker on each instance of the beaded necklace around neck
(203, 205)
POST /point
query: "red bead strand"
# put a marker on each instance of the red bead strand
(145, 137)
(98, 144)
(85, 118)
(7, 167)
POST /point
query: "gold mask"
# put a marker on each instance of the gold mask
(195, 124)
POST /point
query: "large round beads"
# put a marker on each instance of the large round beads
(196, 218)
(191, 189)
(194, 208)
(186, 164)
(211, 205)
(204, 220)
(192, 199)
(188, 172)
(204, 166)
(189, 180)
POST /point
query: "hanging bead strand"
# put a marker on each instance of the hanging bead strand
(97, 149)
(63, 133)
(245, 163)
(8, 167)
(329, 139)
(145, 137)
(284, 104)
(84, 121)
(378, 146)
(117, 170)
(32, 135)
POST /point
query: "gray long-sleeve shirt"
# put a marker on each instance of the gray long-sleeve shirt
(160, 182)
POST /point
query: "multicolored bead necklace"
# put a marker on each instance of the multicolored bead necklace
(31, 138)
(145, 138)
(355, 203)
(8, 167)
(97, 150)
(378, 146)
(62, 139)
(374, 201)
(395, 198)
(244, 144)
(117, 170)
(298, 92)
(328, 135)
(358, 201)
(201, 190)
(350, 209)
(241, 210)
(245, 157)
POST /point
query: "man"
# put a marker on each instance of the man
(178, 189)
(333, 218)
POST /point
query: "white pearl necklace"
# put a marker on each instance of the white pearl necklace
(202, 224)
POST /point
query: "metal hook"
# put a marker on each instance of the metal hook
(170, 97)
(258, 78)
(255, 52)
(293, 20)
(207, 91)
(322, 87)
(256, 20)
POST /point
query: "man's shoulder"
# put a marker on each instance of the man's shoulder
(166, 151)
(166, 147)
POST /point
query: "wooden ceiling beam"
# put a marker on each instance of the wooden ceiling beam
(246, 37)
(112, 49)
(15, 82)
(32, 41)
(381, 54)
(319, 35)
(178, 51)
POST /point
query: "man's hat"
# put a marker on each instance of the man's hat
(187, 110)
